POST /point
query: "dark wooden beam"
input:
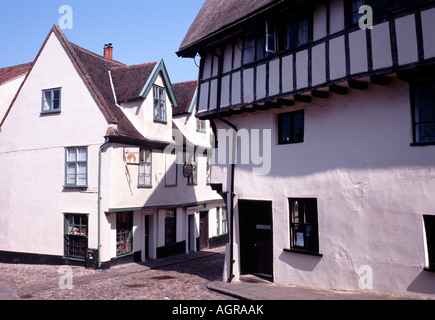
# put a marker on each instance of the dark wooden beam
(380, 80)
(408, 75)
(226, 113)
(320, 94)
(286, 102)
(338, 89)
(302, 98)
(249, 110)
(359, 85)
(273, 105)
(260, 107)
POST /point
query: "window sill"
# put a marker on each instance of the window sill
(144, 187)
(161, 121)
(422, 144)
(306, 252)
(75, 187)
(43, 113)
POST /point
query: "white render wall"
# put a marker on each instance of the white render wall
(7, 93)
(32, 158)
(372, 189)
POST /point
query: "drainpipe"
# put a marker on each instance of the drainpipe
(233, 166)
(99, 200)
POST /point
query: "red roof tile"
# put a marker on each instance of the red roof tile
(11, 73)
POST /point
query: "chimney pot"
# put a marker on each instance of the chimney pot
(108, 51)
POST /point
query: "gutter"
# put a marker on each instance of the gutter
(99, 200)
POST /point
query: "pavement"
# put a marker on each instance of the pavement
(247, 288)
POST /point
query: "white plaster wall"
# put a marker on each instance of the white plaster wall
(141, 115)
(287, 73)
(428, 25)
(372, 189)
(381, 46)
(358, 51)
(337, 16)
(336, 58)
(406, 39)
(319, 64)
(7, 93)
(32, 158)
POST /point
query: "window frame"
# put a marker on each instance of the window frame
(73, 241)
(145, 162)
(292, 126)
(192, 160)
(125, 234)
(159, 104)
(77, 162)
(310, 245)
(51, 107)
(429, 228)
(170, 227)
(414, 108)
(201, 125)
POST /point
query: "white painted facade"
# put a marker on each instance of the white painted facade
(358, 158)
(36, 199)
(7, 93)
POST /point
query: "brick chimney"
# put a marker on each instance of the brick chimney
(108, 51)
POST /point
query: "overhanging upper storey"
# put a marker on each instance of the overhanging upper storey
(291, 51)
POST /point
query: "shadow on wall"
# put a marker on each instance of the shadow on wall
(424, 283)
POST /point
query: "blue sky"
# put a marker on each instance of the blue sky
(141, 30)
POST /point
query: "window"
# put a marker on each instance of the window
(192, 161)
(429, 223)
(208, 170)
(50, 101)
(159, 103)
(291, 127)
(75, 236)
(124, 237)
(303, 225)
(201, 125)
(254, 47)
(298, 33)
(221, 220)
(352, 11)
(145, 168)
(170, 227)
(76, 167)
(424, 112)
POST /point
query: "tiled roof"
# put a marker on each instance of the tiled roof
(130, 80)
(184, 91)
(218, 14)
(11, 73)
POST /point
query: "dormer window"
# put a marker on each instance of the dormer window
(159, 103)
(51, 100)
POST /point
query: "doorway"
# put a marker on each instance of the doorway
(147, 237)
(256, 238)
(203, 230)
(191, 232)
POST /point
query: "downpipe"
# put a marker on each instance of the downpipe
(100, 151)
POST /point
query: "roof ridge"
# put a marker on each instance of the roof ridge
(96, 55)
(134, 65)
(16, 66)
(188, 81)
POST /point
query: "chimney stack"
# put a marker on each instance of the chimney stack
(108, 51)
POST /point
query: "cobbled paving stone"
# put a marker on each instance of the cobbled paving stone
(182, 281)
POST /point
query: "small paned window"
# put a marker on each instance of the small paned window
(429, 223)
(159, 103)
(76, 167)
(291, 127)
(201, 125)
(145, 168)
(76, 236)
(424, 112)
(303, 225)
(124, 234)
(51, 100)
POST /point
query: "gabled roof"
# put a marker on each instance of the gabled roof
(99, 73)
(11, 73)
(186, 95)
(217, 15)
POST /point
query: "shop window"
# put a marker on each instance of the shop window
(75, 236)
(124, 234)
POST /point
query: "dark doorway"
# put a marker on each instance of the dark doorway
(256, 244)
(147, 237)
(191, 231)
(203, 230)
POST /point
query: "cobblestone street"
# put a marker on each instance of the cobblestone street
(183, 281)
